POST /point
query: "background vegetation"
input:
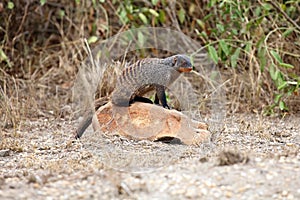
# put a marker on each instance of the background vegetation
(255, 44)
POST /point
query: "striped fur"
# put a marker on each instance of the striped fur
(146, 75)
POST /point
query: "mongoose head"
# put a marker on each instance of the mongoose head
(182, 63)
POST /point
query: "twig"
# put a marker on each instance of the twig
(23, 18)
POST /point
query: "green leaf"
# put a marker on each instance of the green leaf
(234, 57)
(291, 91)
(224, 47)
(3, 56)
(248, 47)
(42, 2)
(123, 16)
(282, 105)
(277, 98)
(200, 23)
(286, 65)
(282, 85)
(220, 27)
(287, 32)
(92, 39)
(272, 72)
(162, 16)
(213, 54)
(61, 13)
(207, 17)
(181, 15)
(234, 31)
(153, 12)
(257, 11)
(10, 5)
(143, 10)
(141, 38)
(276, 56)
(279, 78)
(262, 58)
(154, 2)
(211, 3)
(143, 18)
(204, 34)
(267, 6)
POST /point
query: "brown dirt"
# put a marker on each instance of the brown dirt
(253, 157)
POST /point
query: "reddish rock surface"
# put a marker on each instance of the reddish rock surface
(148, 121)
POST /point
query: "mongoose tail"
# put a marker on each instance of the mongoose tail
(87, 119)
(84, 124)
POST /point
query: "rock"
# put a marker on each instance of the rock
(4, 152)
(148, 121)
(231, 157)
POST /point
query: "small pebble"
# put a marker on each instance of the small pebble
(4, 152)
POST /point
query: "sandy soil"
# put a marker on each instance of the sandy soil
(252, 157)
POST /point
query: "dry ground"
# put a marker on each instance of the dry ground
(251, 158)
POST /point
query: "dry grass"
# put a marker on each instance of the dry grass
(36, 79)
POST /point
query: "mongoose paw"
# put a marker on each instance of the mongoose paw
(166, 106)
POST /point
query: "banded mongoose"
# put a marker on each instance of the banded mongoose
(142, 77)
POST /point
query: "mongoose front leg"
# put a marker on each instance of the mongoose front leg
(156, 100)
(161, 96)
